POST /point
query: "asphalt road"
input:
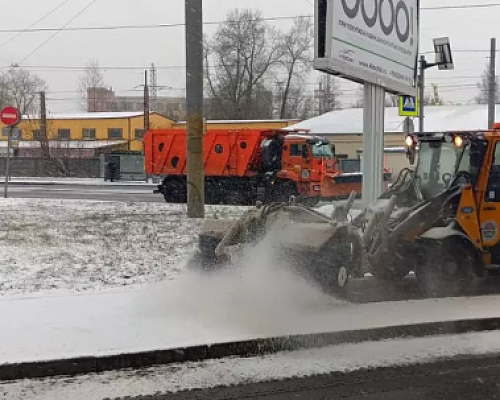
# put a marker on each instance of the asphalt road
(118, 193)
(460, 379)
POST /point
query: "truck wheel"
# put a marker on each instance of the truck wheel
(447, 268)
(283, 191)
(175, 191)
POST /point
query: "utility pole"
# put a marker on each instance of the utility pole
(320, 95)
(43, 126)
(492, 92)
(194, 108)
(7, 163)
(421, 99)
(153, 89)
(146, 102)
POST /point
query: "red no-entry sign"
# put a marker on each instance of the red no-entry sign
(10, 116)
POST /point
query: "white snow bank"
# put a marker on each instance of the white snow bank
(234, 371)
(52, 245)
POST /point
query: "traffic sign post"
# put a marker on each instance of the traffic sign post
(9, 116)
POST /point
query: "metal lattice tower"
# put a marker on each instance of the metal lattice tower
(153, 88)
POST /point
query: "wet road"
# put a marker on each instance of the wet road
(461, 379)
(137, 193)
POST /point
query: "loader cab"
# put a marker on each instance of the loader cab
(441, 157)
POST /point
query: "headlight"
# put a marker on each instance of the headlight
(459, 141)
(409, 141)
(306, 174)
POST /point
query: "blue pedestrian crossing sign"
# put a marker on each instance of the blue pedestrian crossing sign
(408, 106)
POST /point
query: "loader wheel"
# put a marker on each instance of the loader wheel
(390, 269)
(336, 263)
(446, 269)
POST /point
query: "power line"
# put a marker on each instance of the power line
(462, 7)
(90, 4)
(145, 26)
(48, 14)
(177, 25)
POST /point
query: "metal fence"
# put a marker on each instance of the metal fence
(27, 167)
(130, 167)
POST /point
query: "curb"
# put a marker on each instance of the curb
(249, 348)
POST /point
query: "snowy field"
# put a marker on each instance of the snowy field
(74, 246)
(57, 246)
(233, 371)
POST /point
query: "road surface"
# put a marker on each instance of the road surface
(118, 193)
(108, 192)
(460, 379)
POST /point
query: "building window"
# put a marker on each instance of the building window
(16, 133)
(88, 133)
(37, 134)
(63, 134)
(115, 133)
(139, 134)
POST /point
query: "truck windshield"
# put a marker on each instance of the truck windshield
(321, 150)
(438, 164)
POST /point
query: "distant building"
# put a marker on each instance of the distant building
(106, 100)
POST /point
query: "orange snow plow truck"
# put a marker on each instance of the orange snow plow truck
(246, 166)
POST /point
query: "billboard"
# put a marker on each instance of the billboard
(372, 41)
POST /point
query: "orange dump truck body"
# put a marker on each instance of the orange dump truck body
(226, 153)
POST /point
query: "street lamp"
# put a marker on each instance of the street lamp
(444, 61)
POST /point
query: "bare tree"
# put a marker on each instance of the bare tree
(92, 78)
(295, 59)
(391, 100)
(238, 62)
(20, 88)
(484, 88)
(327, 94)
(360, 98)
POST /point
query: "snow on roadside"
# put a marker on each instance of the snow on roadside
(74, 246)
(233, 371)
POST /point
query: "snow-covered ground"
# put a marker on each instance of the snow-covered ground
(234, 371)
(61, 246)
(57, 246)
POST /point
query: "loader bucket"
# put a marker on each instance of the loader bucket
(319, 249)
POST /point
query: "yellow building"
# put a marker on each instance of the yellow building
(116, 130)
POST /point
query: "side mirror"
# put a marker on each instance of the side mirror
(477, 151)
(305, 153)
(334, 151)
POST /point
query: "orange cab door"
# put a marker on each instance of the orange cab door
(295, 157)
(490, 203)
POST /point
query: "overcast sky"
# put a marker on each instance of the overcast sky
(469, 29)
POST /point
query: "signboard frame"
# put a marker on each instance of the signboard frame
(343, 38)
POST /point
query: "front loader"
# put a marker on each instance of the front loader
(439, 221)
